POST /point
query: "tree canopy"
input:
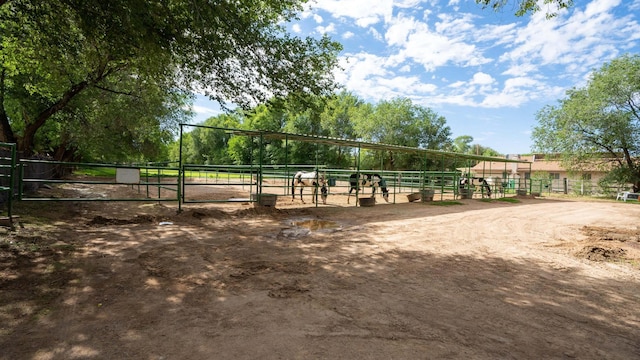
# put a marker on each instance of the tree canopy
(598, 124)
(129, 66)
(463, 144)
(342, 115)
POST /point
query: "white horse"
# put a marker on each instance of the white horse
(373, 180)
(312, 179)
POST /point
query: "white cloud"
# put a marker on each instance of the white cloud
(347, 35)
(306, 13)
(597, 7)
(481, 78)
(406, 85)
(482, 90)
(449, 54)
(370, 76)
(454, 24)
(520, 69)
(374, 33)
(398, 32)
(361, 74)
(445, 44)
(579, 40)
(516, 91)
(296, 28)
(495, 34)
(532, 54)
(407, 4)
(203, 112)
(367, 21)
(331, 28)
(433, 50)
(365, 12)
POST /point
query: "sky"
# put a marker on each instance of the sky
(487, 73)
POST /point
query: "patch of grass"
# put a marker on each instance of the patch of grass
(189, 173)
(506, 199)
(64, 247)
(55, 266)
(509, 200)
(29, 244)
(632, 201)
(111, 172)
(445, 203)
(100, 171)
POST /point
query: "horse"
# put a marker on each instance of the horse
(475, 181)
(304, 178)
(372, 180)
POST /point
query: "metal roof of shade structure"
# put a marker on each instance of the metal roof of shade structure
(265, 134)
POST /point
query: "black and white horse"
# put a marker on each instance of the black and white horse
(356, 181)
(312, 179)
(475, 181)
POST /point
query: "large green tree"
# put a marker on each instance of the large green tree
(598, 124)
(338, 119)
(52, 52)
(64, 92)
(400, 122)
(342, 115)
(462, 144)
(209, 145)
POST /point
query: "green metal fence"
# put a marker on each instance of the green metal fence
(214, 176)
(149, 181)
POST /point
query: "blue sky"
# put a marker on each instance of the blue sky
(487, 73)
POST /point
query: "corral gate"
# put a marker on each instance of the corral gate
(7, 176)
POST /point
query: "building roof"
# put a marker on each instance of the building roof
(532, 163)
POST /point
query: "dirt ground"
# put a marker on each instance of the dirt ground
(542, 278)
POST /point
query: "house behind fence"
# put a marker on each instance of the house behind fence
(546, 174)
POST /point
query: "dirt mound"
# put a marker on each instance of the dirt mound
(596, 253)
(617, 244)
(203, 214)
(259, 211)
(611, 234)
(138, 219)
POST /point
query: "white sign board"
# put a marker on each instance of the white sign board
(127, 176)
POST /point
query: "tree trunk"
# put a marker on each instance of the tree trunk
(65, 152)
(26, 143)
(7, 134)
(392, 161)
(631, 165)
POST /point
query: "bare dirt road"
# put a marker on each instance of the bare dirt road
(537, 279)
